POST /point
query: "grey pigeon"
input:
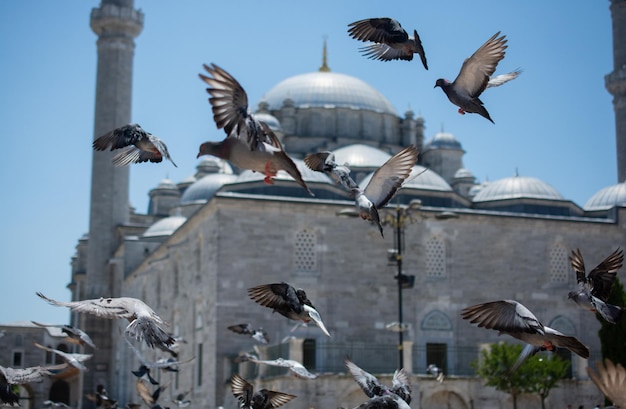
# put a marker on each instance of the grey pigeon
(246, 329)
(384, 184)
(288, 302)
(593, 290)
(390, 401)
(475, 76)
(611, 380)
(75, 360)
(21, 376)
(372, 387)
(144, 323)
(50, 404)
(512, 318)
(390, 40)
(137, 145)
(436, 372)
(294, 366)
(165, 364)
(180, 400)
(249, 143)
(261, 399)
(74, 335)
(325, 162)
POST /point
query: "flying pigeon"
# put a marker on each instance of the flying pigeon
(390, 40)
(145, 324)
(372, 387)
(21, 376)
(249, 143)
(75, 335)
(8, 396)
(611, 380)
(101, 398)
(50, 404)
(180, 400)
(295, 367)
(137, 145)
(475, 76)
(165, 364)
(261, 399)
(287, 301)
(75, 360)
(593, 290)
(512, 318)
(325, 162)
(150, 398)
(384, 184)
(246, 329)
(436, 372)
(390, 401)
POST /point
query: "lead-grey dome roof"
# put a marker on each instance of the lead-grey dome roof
(165, 226)
(442, 140)
(360, 156)
(420, 178)
(328, 90)
(608, 197)
(517, 187)
(205, 188)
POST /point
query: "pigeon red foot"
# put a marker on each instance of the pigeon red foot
(269, 174)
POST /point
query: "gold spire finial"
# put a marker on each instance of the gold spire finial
(325, 67)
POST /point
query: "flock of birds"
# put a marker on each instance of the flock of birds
(251, 144)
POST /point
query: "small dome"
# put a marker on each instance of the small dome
(205, 187)
(463, 173)
(361, 156)
(308, 175)
(328, 90)
(477, 188)
(166, 184)
(270, 120)
(442, 140)
(608, 197)
(211, 164)
(426, 179)
(517, 187)
(165, 226)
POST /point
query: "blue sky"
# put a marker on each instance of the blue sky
(554, 123)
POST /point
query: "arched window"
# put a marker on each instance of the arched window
(436, 321)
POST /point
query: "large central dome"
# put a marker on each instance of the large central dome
(328, 90)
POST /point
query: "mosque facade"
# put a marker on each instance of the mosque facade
(204, 240)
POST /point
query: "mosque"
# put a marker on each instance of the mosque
(390, 301)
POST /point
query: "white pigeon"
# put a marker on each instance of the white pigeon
(512, 318)
(294, 366)
(384, 184)
(145, 324)
(75, 360)
(20, 376)
(436, 372)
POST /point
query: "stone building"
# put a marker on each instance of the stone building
(204, 240)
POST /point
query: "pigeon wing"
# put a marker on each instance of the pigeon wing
(389, 177)
(104, 307)
(242, 390)
(478, 68)
(603, 275)
(278, 399)
(120, 137)
(378, 30)
(504, 315)
(383, 52)
(503, 78)
(368, 382)
(611, 380)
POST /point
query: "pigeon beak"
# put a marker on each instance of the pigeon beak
(315, 316)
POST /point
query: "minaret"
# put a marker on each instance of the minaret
(616, 83)
(116, 23)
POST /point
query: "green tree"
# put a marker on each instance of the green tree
(537, 374)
